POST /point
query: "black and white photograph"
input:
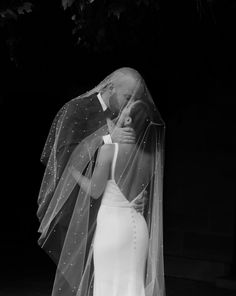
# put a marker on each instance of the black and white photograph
(118, 148)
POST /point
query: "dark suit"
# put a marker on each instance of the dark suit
(89, 116)
(85, 115)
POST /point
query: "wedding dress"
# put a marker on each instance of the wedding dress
(120, 244)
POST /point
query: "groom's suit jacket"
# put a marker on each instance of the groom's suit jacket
(89, 116)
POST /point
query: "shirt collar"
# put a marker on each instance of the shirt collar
(104, 106)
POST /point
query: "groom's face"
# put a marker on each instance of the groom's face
(121, 94)
(118, 101)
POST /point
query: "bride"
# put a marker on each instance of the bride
(120, 257)
(111, 249)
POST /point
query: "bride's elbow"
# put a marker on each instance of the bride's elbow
(96, 192)
(95, 196)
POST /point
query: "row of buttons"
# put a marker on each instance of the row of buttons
(134, 227)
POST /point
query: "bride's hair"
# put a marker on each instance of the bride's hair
(138, 117)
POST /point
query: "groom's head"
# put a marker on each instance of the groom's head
(120, 88)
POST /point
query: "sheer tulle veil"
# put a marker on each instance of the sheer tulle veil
(67, 214)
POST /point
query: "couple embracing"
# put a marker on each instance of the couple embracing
(100, 202)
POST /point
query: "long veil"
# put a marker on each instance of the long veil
(67, 214)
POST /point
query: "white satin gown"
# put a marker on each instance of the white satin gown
(120, 244)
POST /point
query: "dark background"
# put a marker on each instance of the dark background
(187, 58)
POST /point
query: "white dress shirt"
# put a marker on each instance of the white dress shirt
(106, 138)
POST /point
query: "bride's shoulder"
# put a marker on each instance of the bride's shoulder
(127, 146)
(107, 147)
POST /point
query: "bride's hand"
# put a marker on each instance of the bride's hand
(121, 134)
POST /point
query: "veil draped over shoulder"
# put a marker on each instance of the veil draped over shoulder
(67, 214)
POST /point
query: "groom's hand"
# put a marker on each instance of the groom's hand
(140, 203)
(123, 135)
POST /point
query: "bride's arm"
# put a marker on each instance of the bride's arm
(96, 185)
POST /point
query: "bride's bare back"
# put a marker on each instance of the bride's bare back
(131, 180)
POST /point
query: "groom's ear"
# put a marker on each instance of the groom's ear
(110, 87)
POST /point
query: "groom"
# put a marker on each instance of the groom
(93, 112)
(90, 113)
(86, 115)
(115, 96)
(112, 99)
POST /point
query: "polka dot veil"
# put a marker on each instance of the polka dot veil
(67, 213)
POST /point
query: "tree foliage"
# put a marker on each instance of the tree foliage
(101, 25)
(98, 25)
(14, 11)
(10, 13)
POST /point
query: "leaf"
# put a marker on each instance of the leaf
(8, 14)
(25, 8)
(81, 5)
(116, 10)
(67, 3)
(64, 3)
(145, 2)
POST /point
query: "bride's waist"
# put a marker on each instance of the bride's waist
(115, 200)
(117, 203)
